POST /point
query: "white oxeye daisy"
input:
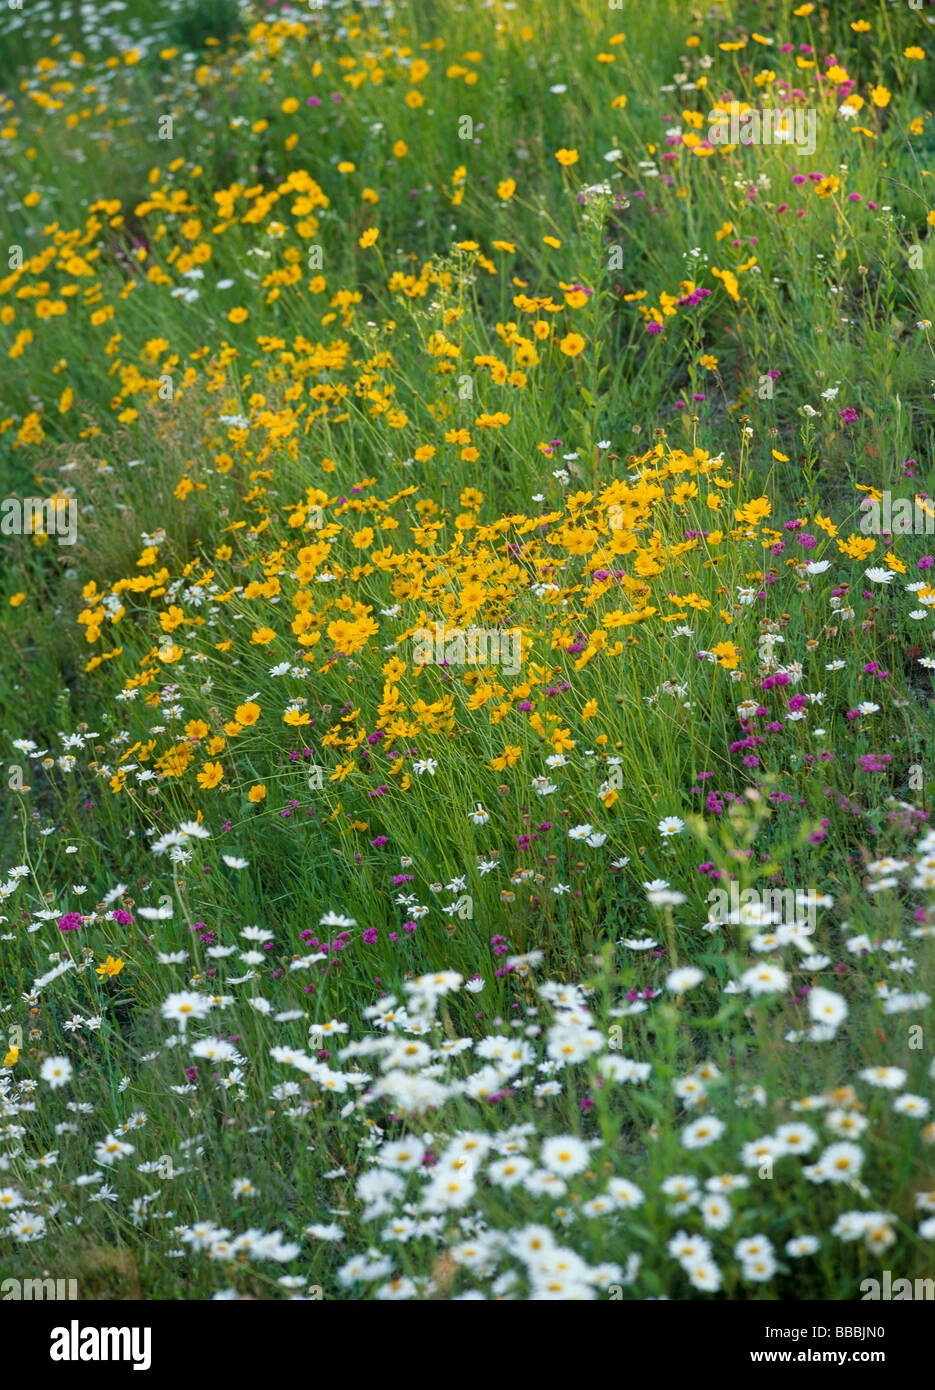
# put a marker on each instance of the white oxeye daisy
(670, 825)
(824, 1006)
(797, 1138)
(564, 1155)
(840, 1162)
(917, 1106)
(702, 1132)
(703, 1274)
(753, 1248)
(184, 1006)
(56, 1071)
(764, 979)
(759, 1269)
(688, 1248)
(625, 1193)
(716, 1212)
(403, 1155)
(111, 1149)
(686, 977)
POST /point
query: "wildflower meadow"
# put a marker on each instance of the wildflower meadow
(467, 533)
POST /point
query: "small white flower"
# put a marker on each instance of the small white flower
(684, 978)
(702, 1132)
(826, 1007)
(671, 825)
(56, 1071)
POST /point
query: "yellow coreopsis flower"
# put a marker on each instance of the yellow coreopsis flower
(828, 186)
(110, 967)
(508, 758)
(729, 280)
(857, 547)
(727, 654)
(210, 775)
(473, 595)
(566, 157)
